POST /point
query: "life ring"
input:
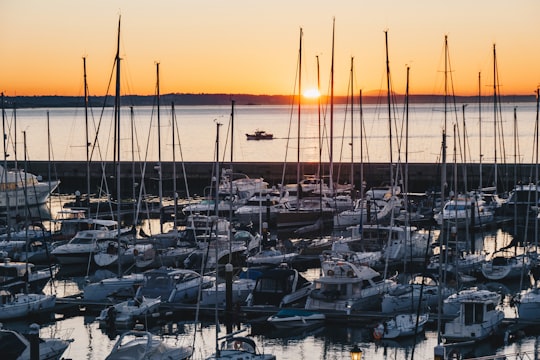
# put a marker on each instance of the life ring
(330, 272)
(237, 345)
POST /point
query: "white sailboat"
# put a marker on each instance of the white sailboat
(19, 305)
(143, 345)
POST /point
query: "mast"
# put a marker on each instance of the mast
(320, 136)
(160, 172)
(331, 150)
(495, 117)
(480, 126)
(361, 147)
(299, 113)
(133, 190)
(388, 96)
(87, 139)
(443, 185)
(118, 137)
(352, 124)
(175, 195)
(231, 184)
(5, 165)
(406, 184)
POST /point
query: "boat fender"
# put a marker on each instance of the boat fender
(378, 332)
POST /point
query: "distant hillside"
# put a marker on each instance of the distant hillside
(223, 99)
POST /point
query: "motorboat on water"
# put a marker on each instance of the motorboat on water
(271, 257)
(422, 290)
(478, 319)
(124, 286)
(344, 286)
(466, 211)
(260, 135)
(296, 318)
(217, 294)
(16, 346)
(528, 304)
(366, 211)
(281, 286)
(124, 314)
(82, 247)
(173, 285)
(143, 345)
(401, 325)
(239, 348)
(452, 304)
(19, 187)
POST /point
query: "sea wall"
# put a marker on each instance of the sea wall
(198, 175)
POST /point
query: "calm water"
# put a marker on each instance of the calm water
(195, 136)
(330, 342)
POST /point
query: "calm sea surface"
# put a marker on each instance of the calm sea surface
(196, 130)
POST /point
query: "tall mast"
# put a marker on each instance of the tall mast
(299, 113)
(175, 195)
(118, 137)
(443, 170)
(443, 184)
(160, 175)
(388, 95)
(87, 139)
(319, 119)
(407, 141)
(361, 146)
(320, 131)
(352, 123)
(133, 190)
(5, 164)
(231, 183)
(331, 150)
(480, 126)
(495, 117)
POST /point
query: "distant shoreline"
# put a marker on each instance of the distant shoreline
(52, 101)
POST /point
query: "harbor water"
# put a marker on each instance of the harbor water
(196, 130)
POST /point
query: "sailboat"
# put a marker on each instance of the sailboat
(239, 348)
(143, 345)
(16, 346)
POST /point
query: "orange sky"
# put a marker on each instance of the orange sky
(240, 46)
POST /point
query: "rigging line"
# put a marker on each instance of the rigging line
(182, 162)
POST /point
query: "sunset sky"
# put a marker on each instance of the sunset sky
(252, 47)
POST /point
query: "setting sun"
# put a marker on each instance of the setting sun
(312, 93)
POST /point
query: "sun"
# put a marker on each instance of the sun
(312, 93)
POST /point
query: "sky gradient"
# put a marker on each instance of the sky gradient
(242, 46)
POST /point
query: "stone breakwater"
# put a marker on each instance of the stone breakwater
(198, 175)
